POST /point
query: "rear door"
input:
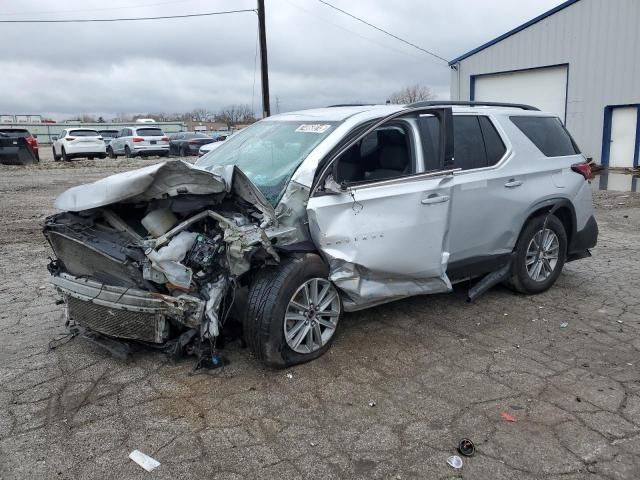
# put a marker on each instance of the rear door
(384, 234)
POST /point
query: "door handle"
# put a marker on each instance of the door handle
(513, 183)
(431, 199)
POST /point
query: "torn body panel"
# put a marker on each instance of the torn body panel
(150, 254)
(385, 241)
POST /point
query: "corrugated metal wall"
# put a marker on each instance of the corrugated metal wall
(599, 39)
(45, 131)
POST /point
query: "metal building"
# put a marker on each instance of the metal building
(580, 60)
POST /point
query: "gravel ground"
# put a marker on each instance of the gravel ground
(401, 386)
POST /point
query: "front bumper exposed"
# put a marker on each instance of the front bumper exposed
(126, 313)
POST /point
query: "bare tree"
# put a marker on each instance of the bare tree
(412, 93)
(234, 115)
(200, 115)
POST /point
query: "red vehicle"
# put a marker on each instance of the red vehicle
(32, 140)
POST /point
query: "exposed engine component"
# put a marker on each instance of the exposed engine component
(159, 221)
(203, 253)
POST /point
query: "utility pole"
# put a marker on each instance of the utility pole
(264, 68)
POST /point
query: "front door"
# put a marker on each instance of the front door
(385, 234)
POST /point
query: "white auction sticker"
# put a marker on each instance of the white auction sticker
(313, 128)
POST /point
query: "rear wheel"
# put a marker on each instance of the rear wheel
(111, 153)
(541, 252)
(127, 152)
(293, 312)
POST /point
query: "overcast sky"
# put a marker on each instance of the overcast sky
(317, 56)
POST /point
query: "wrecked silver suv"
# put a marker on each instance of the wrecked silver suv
(308, 214)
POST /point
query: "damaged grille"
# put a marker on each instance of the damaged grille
(147, 327)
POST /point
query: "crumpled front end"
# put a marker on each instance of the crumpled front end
(153, 254)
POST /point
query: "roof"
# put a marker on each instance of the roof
(533, 21)
(336, 114)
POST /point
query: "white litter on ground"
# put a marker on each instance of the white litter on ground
(145, 461)
(455, 461)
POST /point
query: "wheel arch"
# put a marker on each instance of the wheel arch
(561, 208)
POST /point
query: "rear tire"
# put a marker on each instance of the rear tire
(127, 152)
(111, 153)
(273, 294)
(535, 270)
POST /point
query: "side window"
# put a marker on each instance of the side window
(468, 144)
(548, 134)
(385, 153)
(493, 144)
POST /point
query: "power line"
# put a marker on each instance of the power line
(131, 19)
(384, 31)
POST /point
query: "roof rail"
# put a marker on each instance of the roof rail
(445, 103)
(351, 105)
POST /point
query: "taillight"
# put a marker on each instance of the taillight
(583, 169)
(138, 139)
(70, 138)
(164, 139)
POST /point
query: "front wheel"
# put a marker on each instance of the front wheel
(540, 254)
(293, 312)
(56, 158)
(65, 157)
(127, 152)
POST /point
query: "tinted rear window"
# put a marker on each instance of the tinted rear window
(108, 133)
(15, 132)
(548, 134)
(149, 132)
(84, 133)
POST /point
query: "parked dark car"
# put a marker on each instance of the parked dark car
(16, 151)
(187, 143)
(108, 135)
(31, 140)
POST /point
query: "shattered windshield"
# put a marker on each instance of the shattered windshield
(269, 152)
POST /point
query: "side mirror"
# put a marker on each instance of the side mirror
(34, 136)
(55, 137)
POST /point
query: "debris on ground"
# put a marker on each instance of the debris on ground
(508, 417)
(466, 448)
(564, 325)
(145, 461)
(455, 461)
(289, 376)
(372, 403)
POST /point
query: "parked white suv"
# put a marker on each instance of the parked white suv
(78, 142)
(139, 141)
(305, 215)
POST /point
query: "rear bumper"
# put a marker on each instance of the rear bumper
(150, 148)
(85, 149)
(126, 313)
(583, 240)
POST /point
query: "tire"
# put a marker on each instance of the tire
(164, 154)
(56, 158)
(270, 293)
(127, 152)
(37, 155)
(102, 156)
(522, 276)
(65, 157)
(111, 153)
(184, 151)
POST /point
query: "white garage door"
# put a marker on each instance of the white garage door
(623, 136)
(545, 88)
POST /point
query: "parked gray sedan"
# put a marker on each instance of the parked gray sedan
(306, 215)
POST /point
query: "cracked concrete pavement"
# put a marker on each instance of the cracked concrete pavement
(437, 368)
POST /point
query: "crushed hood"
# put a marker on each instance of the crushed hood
(166, 179)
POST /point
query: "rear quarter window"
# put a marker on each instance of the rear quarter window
(548, 134)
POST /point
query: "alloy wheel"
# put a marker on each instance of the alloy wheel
(312, 316)
(542, 255)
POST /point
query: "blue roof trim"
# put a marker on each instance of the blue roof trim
(562, 6)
